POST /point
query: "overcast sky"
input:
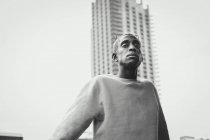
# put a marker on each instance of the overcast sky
(45, 61)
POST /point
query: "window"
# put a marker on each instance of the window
(126, 5)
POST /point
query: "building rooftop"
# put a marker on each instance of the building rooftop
(11, 134)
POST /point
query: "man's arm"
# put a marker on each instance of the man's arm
(79, 116)
(162, 126)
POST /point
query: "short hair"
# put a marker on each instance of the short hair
(116, 42)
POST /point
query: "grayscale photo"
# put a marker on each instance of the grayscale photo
(104, 70)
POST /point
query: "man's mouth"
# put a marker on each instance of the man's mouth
(133, 56)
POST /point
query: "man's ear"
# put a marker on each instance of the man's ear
(114, 57)
(141, 59)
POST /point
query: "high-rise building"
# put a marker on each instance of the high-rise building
(10, 136)
(113, 17)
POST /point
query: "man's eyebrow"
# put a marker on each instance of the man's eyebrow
(125, 41)
(136, 41)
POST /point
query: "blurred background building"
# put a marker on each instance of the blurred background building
(113, 17)
(10, 136)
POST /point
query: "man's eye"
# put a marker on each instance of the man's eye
(136, 45)
(124, 45)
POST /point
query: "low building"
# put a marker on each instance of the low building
(10, 136)
(191, 138)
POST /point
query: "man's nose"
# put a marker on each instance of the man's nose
(132, 48)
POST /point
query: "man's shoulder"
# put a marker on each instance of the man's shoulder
(99, 80)
(110, 77)
(105, 79)
(146, 81)
(102, 77)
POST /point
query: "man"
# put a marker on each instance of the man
(121, 107)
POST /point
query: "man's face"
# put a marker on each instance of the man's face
(128, 52)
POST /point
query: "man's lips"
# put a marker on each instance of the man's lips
(132, 56)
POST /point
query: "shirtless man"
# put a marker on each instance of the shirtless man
(121, 107)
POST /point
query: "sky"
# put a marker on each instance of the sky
(45, 61)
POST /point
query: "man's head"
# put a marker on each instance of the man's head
(127, 51)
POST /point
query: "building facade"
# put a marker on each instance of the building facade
(192, 138)
(111, 18)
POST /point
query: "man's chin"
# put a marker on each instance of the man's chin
(131, 64)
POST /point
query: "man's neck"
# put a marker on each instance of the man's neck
(127, 73)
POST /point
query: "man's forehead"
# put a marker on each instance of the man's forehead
(128, 37)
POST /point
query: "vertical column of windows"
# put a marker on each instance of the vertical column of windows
(96, 33)
(116, 16)
(127, 16)
(98, 36)
(102, 38)
(112, 33)
(134, 20)
(143, 45)
(107, 39)
(149, 47)
(93, 42)
(141, 26)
